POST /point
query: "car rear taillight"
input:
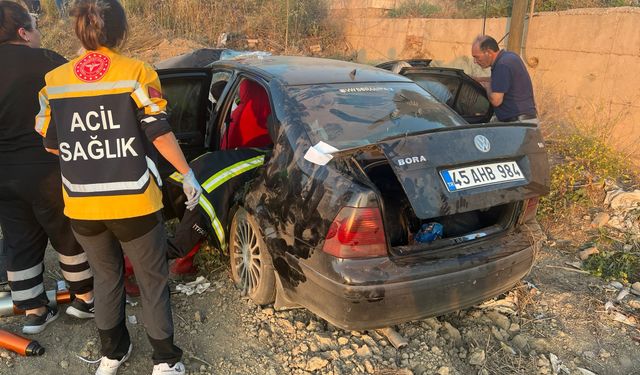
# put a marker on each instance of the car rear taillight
(529, 212)
(356, 233)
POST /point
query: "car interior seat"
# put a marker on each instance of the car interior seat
(248, 125)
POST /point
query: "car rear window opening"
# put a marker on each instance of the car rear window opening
(352, 115)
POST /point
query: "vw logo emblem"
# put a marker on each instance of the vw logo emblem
(482, 143)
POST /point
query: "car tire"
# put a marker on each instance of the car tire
(251, 266)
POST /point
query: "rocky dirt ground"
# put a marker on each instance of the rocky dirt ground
(556, 321)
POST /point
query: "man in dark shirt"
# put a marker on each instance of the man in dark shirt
(510, 90)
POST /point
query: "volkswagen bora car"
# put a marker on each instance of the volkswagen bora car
(360, 160)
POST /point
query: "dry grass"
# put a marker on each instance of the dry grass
(57, 33)
(602, 121)
(282, 26)
(587, 147)
(595, 121)
(279, 26)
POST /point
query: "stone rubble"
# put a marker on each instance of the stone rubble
(306, 344)
(625, 210)
(470, 341)
(586, 253)
(600, 220)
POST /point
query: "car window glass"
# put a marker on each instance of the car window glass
(228, 109)
(349, 115)
(443, 88)
(183, 100)
(219, 81)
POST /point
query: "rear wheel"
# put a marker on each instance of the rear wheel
(251, 266)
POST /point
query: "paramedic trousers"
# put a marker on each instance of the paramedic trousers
(143, 240)
(3, 262)
(31, 212)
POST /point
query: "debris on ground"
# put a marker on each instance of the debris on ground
(625, 206)
(586, 253)
(199, 286)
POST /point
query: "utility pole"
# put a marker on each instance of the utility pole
(286, 31)
(516, 27)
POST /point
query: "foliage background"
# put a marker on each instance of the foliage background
(279, 25)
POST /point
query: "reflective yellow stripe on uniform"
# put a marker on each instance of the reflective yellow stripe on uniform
(154, 170)
(176, 176)
(215, 222)
(91, 88)
(27, 274)
(140, 96)
(107, 186)
(234, 170)
(118, 185)
(27, 294)
(208, 208)
(44, 115)
(215, 181)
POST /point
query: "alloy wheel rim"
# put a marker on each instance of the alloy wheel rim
(247, 257)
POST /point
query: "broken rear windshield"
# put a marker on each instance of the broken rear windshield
(351, 115)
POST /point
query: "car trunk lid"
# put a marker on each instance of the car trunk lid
(441, 171)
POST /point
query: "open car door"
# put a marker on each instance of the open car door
(452, 87)
(188, 105)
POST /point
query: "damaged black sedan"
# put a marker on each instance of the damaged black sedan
(375, 203)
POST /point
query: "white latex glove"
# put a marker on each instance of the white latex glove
(192, 189)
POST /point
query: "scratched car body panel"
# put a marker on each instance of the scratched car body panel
(340, 234)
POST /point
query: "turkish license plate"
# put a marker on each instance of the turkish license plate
(481, 175)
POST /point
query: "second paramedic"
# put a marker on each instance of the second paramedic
(30, 200)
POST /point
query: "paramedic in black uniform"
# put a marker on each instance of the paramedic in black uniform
(30, 200)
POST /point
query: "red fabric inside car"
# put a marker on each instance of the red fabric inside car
(248, 126)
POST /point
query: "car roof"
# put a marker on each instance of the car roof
(298, 70)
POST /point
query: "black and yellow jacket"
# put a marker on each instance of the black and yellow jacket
(223, 175)
(101, 111)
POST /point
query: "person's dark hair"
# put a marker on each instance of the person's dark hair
(99, 23)
(485, 42)
(13, 16)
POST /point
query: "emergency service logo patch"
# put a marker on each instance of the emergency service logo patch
(92, 67)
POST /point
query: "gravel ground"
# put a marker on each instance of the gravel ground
(555, 322)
